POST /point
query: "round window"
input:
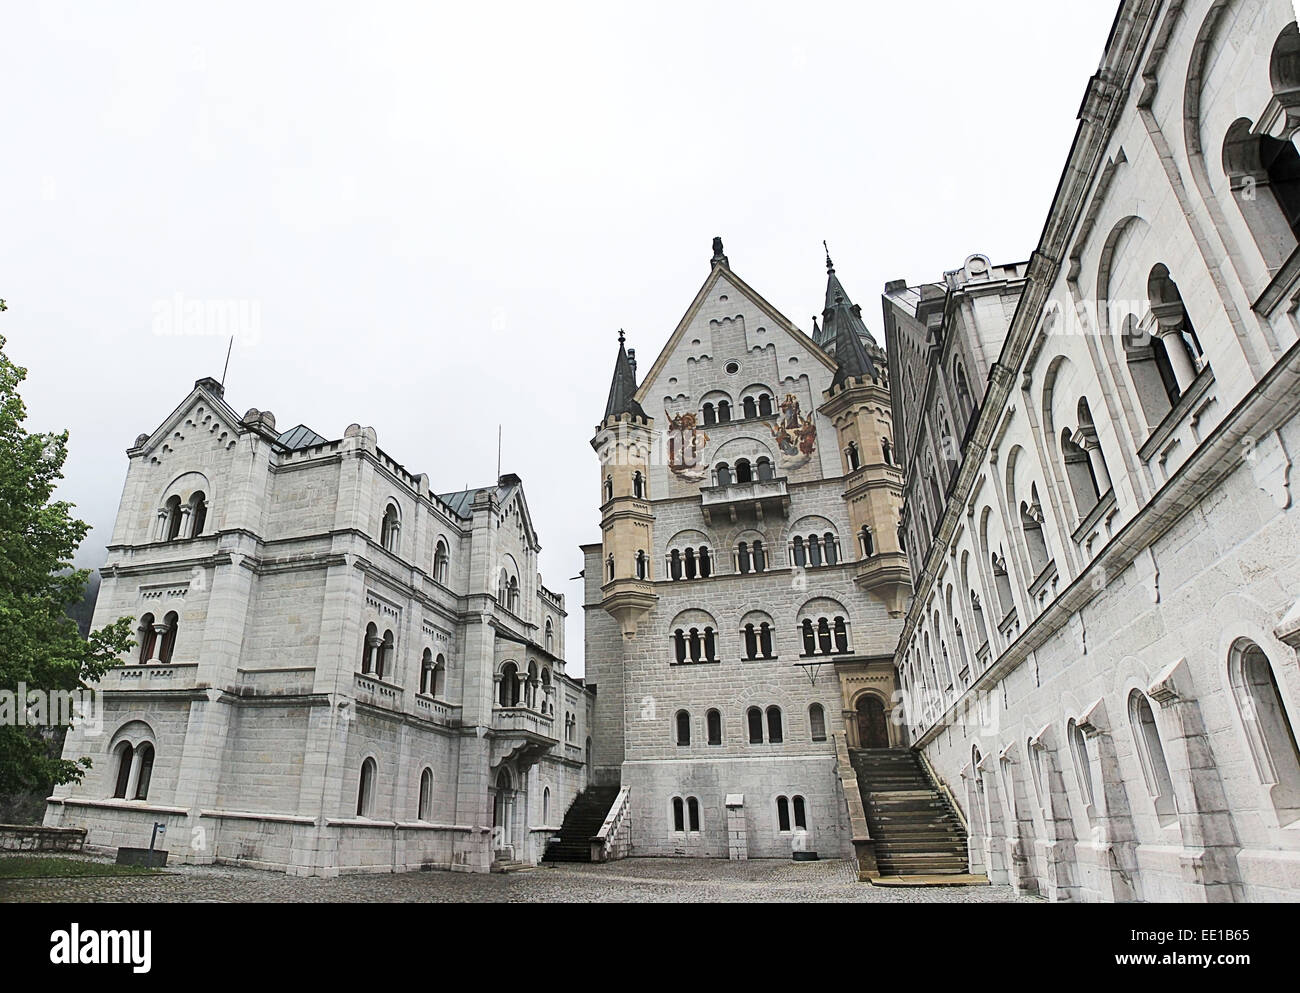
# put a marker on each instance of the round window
(733, 368)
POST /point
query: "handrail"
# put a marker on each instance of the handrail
(604, 843)
(942, 787)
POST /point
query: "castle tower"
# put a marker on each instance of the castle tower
(623, 444)
(858, 404)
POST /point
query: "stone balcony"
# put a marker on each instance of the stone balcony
(151, 676)
(377, 693)
(759, 500)
(522, 735)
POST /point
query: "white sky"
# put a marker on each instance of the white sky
(443, 214)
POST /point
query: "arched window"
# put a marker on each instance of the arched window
(1269, 731)
(1264, 176)
(764, 405)
(800, 553)
(369, 647)
(782, 814)
(1031, 524)
(675, 564)
(679, 815)
(809, 637)
(437, 682)
(765, 639)
(638, 486)
(851, 457)
(168, 647)
(1151, 753)
(1153, 375)
(902, 537)
(546, 805)
(866, 544)
(724, 474)
(965, 403)
(824, 636)
(426, 670)
(550, 636)
(389, 528)
(754, 719)
(759, 556)
(744, 473)
(609, 568)
(800, 814)
(125, 759)
(1006, 603)
(683, 728)
(366, 789)
(1082, 766)
(148, 638)
(765, 471)
(981, 628)
(751, 642)
(440, 562)
(609, 488)
(642, 565)
(426, 795)
(742, 558)
(774, 725)
(1078, 473)
(693, 643)
(832, 548)
(384, 656)
(710, 645)
(512, 595)
(144, 761)
(198, 513)
(841, 636)
(817, 722)
(693, 813)
(750, 408)
(706, 564)
(724, 411)
(508, 694)
(886, 451)
(814, 551)
(713, 726)
(173, 511)
(1174, 326)
(710, 415)
(679, 645)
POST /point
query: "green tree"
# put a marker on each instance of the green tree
(40, 646)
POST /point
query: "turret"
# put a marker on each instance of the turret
(858, 404)
(623, 442)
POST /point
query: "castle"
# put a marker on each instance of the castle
(338, 669)
(1014, 596)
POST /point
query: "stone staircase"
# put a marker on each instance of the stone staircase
(581, 822)
(915, 829)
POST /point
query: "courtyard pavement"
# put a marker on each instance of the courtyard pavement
(631, 880)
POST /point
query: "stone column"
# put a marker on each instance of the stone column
(1176, 350)
(160, 629)
(1210, 844)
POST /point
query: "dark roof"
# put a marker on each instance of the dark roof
(461, 501)
(301, 437)
(622, 389)
(844, 333)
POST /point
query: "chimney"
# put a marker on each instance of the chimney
(631, 360)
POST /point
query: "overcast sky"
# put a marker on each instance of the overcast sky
(435, 218)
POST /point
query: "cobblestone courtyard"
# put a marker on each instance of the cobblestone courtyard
(631, 880)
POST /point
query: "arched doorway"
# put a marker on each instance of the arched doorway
(873, 726)
(503, 804)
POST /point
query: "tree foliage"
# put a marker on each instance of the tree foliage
(40, 647)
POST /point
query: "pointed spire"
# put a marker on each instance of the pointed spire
(843, 332)
(622, 389)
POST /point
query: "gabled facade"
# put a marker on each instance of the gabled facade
(744, 601)
(338, 668)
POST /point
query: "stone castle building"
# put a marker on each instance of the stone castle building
(743, 604)
(1101, 655)
(338, 668)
